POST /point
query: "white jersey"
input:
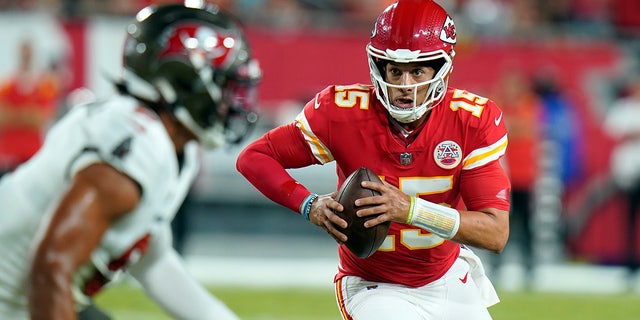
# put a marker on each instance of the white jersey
(130, 138)
(622, 122)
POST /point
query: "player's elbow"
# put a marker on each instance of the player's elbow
(499, 241)
(249, 157)
(247, 160)
(496, 233)
(241, 163)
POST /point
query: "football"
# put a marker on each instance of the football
(363, 242)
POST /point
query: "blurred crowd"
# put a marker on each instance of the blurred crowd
(484, 18)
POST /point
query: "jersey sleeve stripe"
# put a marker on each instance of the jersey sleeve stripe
(320, 151)
(482, 156)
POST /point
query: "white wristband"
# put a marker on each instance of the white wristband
(438, 219)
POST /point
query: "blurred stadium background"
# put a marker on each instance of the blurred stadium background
(231, 236)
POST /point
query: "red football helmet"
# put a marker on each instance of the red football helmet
(412, 31)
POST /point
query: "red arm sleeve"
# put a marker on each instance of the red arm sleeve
(264, 161)
(486, 187)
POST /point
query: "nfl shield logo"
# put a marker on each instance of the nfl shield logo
(406, 158)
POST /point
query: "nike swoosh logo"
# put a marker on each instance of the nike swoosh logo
(498, 119)
(464, 279)
(316, 104)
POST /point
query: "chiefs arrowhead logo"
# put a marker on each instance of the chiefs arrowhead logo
(448, 32)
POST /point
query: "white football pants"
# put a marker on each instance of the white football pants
(464, 292)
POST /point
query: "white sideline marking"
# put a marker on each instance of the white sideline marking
(263, 272)
(260, 272)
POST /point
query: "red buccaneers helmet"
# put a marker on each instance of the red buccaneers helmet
(194, 61)
(412, 31)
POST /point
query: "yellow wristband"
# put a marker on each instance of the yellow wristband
(411, 209)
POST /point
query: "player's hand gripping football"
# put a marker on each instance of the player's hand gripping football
(391, 205)
(322, 214)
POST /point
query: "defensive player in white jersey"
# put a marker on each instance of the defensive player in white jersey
(437, 150)
(98, 197)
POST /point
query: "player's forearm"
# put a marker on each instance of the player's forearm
(49, 291)
(267, 175)
(73, 232)
(166, 281)
(49, 284)
(487, 229)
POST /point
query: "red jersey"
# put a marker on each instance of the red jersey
(451, 158)
(19, 142)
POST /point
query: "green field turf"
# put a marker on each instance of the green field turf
(127, 302)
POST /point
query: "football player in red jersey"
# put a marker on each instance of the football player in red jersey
(436, 148)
